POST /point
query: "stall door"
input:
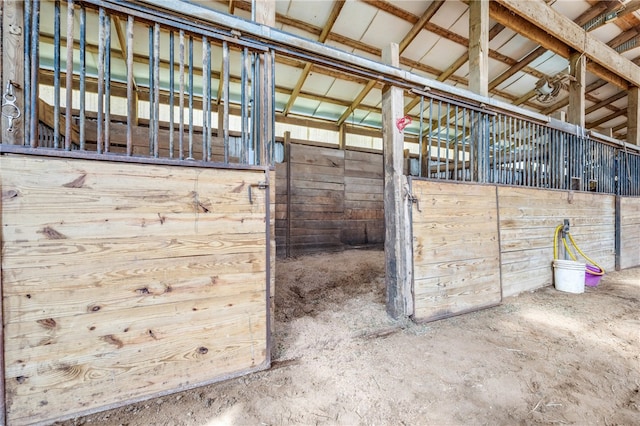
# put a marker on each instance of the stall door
(456, 253)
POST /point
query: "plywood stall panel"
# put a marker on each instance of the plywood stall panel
(316, 197)
(455, 249)
(629, 232)
(363, 198)
(528, 218)
(281, 209)
(124, 281)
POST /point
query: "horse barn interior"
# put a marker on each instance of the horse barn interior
(161, 158)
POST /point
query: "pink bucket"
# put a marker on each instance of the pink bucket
(591, 279)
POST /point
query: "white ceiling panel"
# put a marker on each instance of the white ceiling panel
(354, 19)
(385, 28)
(304, 106)
(412, 6)
(449, 13)
(605, 33)
(314, 12)
(571, 8)
(441, 53)
(287, 76)
(517, 47)
(344, 89)
(329, 111)
(318, 83)
(501, 39)
(550, 64)
(496, 68)
(374, 97)
(419, 47)
(299, 32)
(461, 26)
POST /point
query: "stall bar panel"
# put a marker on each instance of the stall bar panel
(456, 251)
(126, 281)
(181, 90)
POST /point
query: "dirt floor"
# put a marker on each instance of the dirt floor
(544, 357)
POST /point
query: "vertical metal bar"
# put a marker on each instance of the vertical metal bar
(156, 89)
(473, 141)
(272, 109)
(225, 100)
(151, 61)
(131, 108)
(420, 134)
(35, 65)
(69, 77)
(107, 81)
(428, 146)
(256, 110)
(100, 124)
(456, 153)
(56, 74)
(181, 98)
(439, 131)
(28, 16)
(190, 98)
(206, 98)
(171, 91)
(83, 75)
(244, 106)
(446, 165)
(463, 176)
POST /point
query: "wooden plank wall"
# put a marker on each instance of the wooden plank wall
(455, 249)
(336, 199)
(363, 198)
(528, 218)
(122, 281)
(629, 232)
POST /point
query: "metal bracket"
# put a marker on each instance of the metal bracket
(414, 200)
(9, 107)
(259, 185)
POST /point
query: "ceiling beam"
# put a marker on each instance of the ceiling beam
(333, 16)
(605, 102)
(363, 93)
(419, 25)
(606, 119)
(493, 32)
(539, 14)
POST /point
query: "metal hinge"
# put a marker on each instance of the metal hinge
(259, 185)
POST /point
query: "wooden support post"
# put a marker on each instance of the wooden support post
(633, 116)
(342, 137)
(578, 70)
(397, 243)
(265, 12)
(13, 66)
(479, 47)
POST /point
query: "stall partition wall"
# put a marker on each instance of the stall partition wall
(474, 244)
(125, 281)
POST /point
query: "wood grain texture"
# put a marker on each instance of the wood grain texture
(327, 198)
(528, 218)
(630, 232)
(456, 249)
(122, 281)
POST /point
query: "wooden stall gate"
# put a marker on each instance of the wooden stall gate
(125, 281)
(456, 251)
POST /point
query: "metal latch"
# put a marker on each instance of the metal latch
(259, 185)
(10, 109)
(414, 200)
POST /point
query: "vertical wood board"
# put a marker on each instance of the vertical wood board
(629, 232)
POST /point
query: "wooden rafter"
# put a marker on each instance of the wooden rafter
(606, 102)
(605, 119)
(333, 16)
